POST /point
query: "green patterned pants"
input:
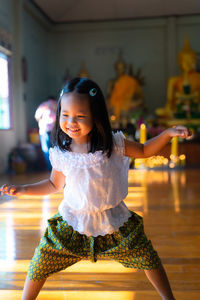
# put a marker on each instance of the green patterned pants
(61, 247)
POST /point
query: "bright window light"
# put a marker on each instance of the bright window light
(4, 93)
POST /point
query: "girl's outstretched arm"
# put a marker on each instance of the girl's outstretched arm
(154, 145)
(52, 185)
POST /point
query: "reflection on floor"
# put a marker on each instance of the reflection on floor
(170, 205)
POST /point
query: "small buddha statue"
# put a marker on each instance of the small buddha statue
(83, 73)
(183, 91)
(121, 90)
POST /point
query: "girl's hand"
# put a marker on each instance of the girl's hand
(180, 131)
(12, 190)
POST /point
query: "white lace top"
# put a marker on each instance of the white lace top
(95, 188)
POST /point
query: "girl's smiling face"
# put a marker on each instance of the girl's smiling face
(75, 117)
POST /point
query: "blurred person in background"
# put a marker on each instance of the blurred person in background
(46, 116)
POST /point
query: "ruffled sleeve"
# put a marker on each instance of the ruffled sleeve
(55, 155)
(118, 138)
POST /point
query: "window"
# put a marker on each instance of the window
(5, 122)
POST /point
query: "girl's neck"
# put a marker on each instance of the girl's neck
(80, 147)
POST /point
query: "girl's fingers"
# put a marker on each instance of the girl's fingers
(4, 189)
(190, 135)
(188, 132)
(10, 190)
(182, 131)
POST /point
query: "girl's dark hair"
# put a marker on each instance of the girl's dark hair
(101, 134)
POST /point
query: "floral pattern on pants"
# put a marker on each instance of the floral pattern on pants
(61, 247)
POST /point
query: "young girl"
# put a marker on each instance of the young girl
(92, 164)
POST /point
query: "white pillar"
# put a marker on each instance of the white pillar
(19, 117)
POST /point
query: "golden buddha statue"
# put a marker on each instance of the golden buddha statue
(83, 73)
(183, 92)
(122, 90)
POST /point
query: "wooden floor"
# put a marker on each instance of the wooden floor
(170, 205)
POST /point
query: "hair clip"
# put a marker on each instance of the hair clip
(61, 93)
(93, 92)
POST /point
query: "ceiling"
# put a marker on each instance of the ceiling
(65, 11)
